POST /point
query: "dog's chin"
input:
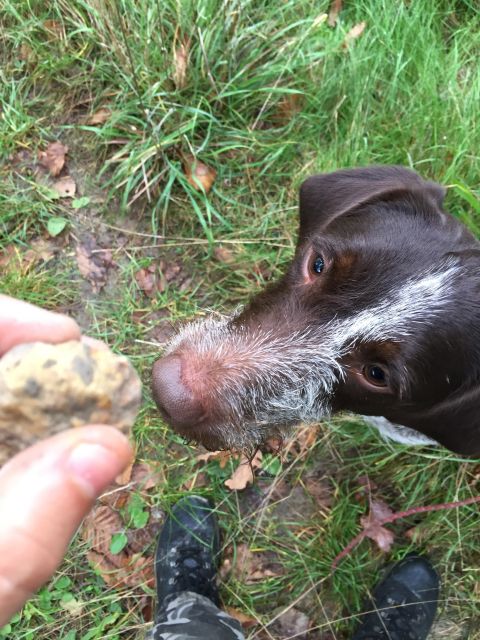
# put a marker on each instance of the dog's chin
(245, 438)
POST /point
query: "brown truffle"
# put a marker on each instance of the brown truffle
(46, 388)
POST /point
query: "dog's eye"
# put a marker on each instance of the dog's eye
(376, 375)
(318, 264)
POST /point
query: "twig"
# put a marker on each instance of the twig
(397, 516)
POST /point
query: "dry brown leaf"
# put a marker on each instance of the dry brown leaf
(54, 27)
(366, 488)
(98, 528)
(354, 33)
(288, 107)
(133, 571)
(73, 607)
(147, 280)
(125, 476)
(222, 456)
(306, 437)
(139, 571)
(180, 64)
(383, 537)
(222, 254)
(140, 476)
(250, 566)
(93, 263)
(199, 175)
(198, 481)
(245, 620)
(26, 53)
(41, 250)
(334, 11)
(65, 187)
(292, 623)
(419, 534)
(146, 606)
(243, 474)
(321, 491)
(146, 476)
(106, 569)
(9, 257)
(53, 158)
(140, 539)
(99, 117)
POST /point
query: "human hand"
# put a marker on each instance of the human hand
(48, 489)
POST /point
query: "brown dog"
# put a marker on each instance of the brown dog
(378, 313)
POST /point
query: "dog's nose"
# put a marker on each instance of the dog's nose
(177, 403)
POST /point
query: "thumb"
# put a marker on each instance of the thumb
(45, 492)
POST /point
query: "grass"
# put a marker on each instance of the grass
(270, 96)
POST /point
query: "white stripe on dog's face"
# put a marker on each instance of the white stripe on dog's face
(398, 315)
(264, 381)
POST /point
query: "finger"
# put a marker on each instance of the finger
(23, 322)
(45, 492)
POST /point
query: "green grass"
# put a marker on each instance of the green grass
(270, 96)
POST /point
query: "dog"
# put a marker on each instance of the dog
(377, 314)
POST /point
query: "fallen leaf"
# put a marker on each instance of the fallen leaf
(146, 477)
(252, 566)
(9, 256)
(198, 481)
(222, 456)
(334, 11)
(139, 571)
(354, 33)
(245, 620)
(93, 263)
(383, 537)
(40, 250)
(366, 488)
(199, 175)
(222, 254)
(287, 108)
(99, 117)
(65, 187)
(180, 64)
(124, 477)
(133, 572)
(243, 474)
(24, 158)
(292, 623)
(170, 270)
(107, 570)
(53, 158)
(140, 539)
(306, 437)
(26, 52)
(147, 280)
(146, 606)
(54, 27)
(73, 606)
(321, 491)
(418, 534)
(98, 528)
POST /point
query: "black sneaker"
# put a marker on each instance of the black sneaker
(404, 603)
(187, 551)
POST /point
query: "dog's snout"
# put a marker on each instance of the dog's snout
(178, 404)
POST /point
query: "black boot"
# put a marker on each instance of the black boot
(404, 603)
(187, 552)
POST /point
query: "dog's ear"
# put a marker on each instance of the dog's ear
(454, 423)
(327, 196)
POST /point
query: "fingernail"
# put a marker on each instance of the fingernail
(93, 466)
